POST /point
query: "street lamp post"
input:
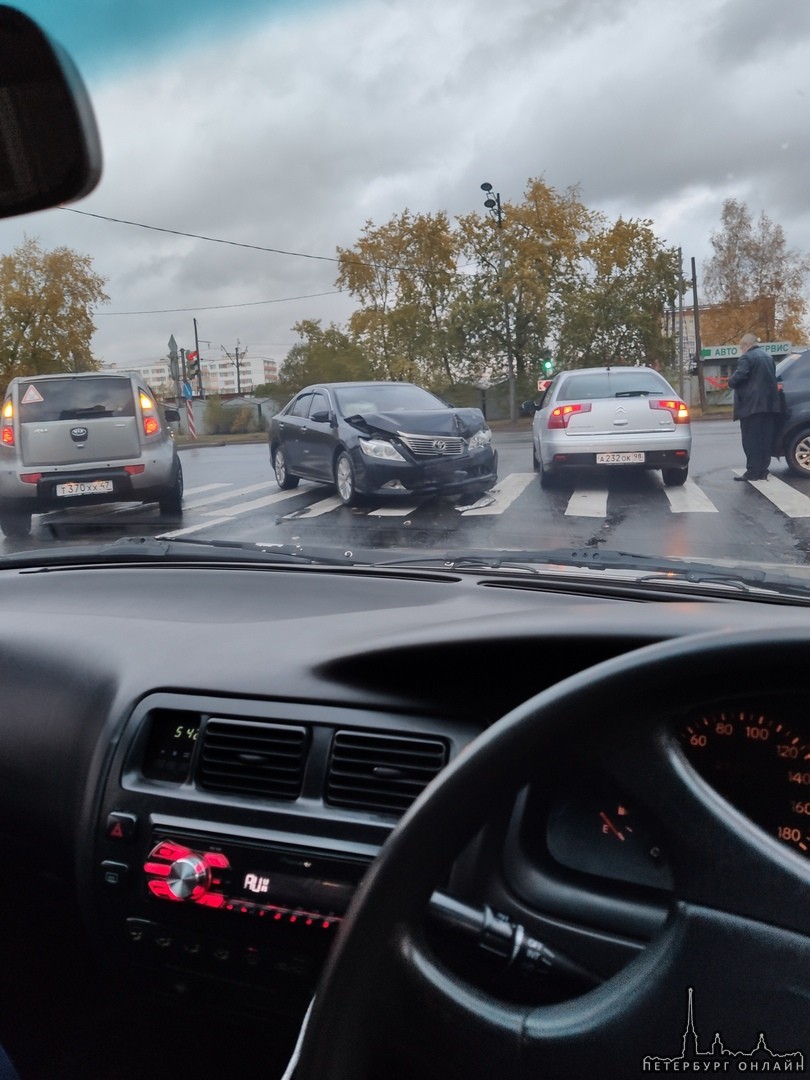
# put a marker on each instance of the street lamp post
(493, 204)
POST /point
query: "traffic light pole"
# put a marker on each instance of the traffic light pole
(199, 361)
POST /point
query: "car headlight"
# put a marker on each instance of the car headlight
(380, 449)
(480, 439)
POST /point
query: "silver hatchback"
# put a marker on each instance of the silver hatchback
(84, 438)
(608, 417)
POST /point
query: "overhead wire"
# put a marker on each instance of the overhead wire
(255, 247)
(240, 244)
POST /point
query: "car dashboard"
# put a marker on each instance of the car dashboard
(198, 764)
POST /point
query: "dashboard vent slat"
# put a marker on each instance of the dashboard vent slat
(249, 757)
(371, 771)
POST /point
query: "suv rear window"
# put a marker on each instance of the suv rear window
(794, 368)
(75, 399)
(611, 384)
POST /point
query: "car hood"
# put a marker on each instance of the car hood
(464, 422)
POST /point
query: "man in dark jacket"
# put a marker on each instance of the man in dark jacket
(756, 405)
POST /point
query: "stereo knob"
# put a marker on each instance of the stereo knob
(175, 872)
(189, 877)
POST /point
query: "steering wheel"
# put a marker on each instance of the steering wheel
(738, 931)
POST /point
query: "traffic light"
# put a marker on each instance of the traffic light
(548, 365)
(192, 365)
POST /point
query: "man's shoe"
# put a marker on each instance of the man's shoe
(746, 476)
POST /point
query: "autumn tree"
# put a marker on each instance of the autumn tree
(442, 303)
(485, 298)
(628, 277)
(404, 276)
(526, 267)
(47, 300)
(757, 282)
(322, 355)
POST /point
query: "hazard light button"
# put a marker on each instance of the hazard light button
(121, 827)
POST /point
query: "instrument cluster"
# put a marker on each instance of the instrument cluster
(757, 757)
(759, 760)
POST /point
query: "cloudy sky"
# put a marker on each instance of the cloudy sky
(286, 126)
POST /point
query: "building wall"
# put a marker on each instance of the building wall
(218, 376)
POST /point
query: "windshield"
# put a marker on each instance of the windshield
(568, 242)
(362, 399)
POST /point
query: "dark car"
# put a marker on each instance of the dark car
(367, 437)
(793, 440)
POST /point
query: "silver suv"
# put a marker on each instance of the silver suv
(85, 438)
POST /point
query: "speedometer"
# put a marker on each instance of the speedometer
(760, 762)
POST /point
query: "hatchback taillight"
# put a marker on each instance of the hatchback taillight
(559, 417)
(7, 432)
(151, 424)
(679, 411)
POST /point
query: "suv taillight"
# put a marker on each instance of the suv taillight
(559, 417)
(679, 411)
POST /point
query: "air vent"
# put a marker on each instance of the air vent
(381, 772)
(253, 758)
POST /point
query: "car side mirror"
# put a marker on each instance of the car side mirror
(50, 151)
(529, 407)
(321, 416)
(172, 415)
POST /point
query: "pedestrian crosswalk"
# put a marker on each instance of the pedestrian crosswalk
(689, 499)
(792, 503)
(218, 503)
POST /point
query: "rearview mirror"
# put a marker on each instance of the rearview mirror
(50, 151)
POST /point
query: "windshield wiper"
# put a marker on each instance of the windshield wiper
(139, 549)
(651, 568)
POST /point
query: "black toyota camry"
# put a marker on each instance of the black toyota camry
(366, 437)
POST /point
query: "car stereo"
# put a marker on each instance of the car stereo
(264, 882)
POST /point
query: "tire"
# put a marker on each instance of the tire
(171, 502)
(674, 477)
(285, 479)
(797, 453)
(535, 462)
(15, 523)
(547, 477)
(345, 480)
